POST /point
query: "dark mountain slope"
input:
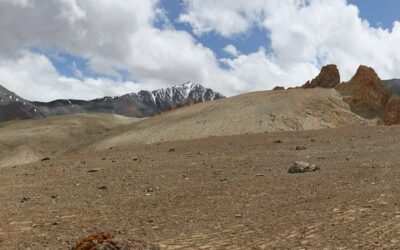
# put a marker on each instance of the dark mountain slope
(394, 85)
(13, 107)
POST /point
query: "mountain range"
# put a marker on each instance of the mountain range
(360, 93)
(141, 104)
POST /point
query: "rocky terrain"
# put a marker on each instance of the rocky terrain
(230, 192)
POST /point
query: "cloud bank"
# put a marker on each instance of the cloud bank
(115, 35)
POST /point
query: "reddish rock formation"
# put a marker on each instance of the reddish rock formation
(279, 88)
(369, 97)
(328, 78)
(392, 112)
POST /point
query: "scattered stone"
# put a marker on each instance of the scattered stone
(54, 197)
(300, 148)
(149, 190)
(223, 180)
(103, 188)
(312, 140)
(94, 170)
(277, 141)
(171, 150)
(25, 199)
(46, 159)
(100, 242)
(135, 159)
(260, 175)
(302, 167)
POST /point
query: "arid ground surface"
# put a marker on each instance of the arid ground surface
(214, 193)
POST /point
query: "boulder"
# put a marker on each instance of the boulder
(302, 167)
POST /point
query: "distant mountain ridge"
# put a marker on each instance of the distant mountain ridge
(141, 104)
(14, 107)
(394, 85)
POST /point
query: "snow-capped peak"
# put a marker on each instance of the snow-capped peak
(178, 95)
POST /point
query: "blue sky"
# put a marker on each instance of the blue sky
(380, 13)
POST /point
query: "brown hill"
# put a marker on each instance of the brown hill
(369, 97)
(270, 111)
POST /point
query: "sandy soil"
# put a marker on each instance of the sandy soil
(214, 193)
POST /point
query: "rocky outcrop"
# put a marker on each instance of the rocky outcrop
(369, 97)
(392, 111)
(328, 78)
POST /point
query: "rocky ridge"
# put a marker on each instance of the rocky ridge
(369, 97)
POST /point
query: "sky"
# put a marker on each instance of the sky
(85, 49)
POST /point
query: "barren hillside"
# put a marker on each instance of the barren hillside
(31, 140)
(269, 111)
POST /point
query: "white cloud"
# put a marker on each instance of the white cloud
(225, 17)
(259, 71)
(110, 35)
(231, 50)
(120, 34)
(312, 32)
(20, 3)
(33, 77)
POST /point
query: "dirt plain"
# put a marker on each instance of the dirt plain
(229, 192)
